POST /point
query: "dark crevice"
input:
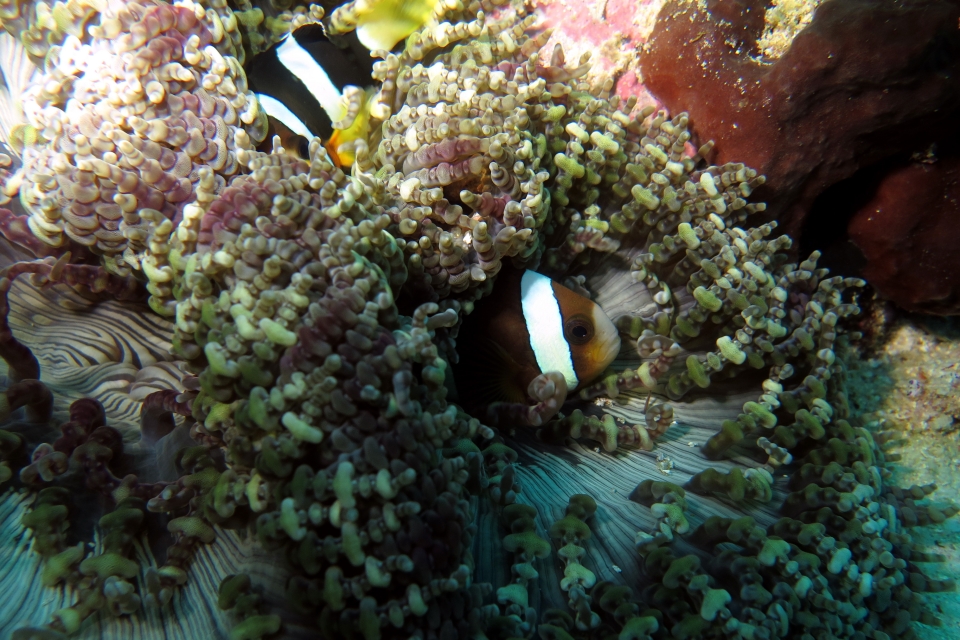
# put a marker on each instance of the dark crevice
(825, 226)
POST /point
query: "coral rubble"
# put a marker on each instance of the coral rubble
(314, 315)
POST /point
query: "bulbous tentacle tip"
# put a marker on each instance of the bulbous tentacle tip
(548, 391)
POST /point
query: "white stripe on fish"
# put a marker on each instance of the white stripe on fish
(544, 321)
(276, 109)
(302, 65)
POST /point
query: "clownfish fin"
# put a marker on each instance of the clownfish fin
(300, 84)
(390, 21)
(492, 375)
(339, 145)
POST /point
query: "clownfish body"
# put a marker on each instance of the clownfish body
(300, 81)
(530, 325)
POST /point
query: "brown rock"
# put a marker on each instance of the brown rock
(866, 80)
(910, 234)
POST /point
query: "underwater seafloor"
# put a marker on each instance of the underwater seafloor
(383, 512)
(907, 373)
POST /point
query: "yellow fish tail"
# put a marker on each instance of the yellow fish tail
(341, 145)
(381, 24)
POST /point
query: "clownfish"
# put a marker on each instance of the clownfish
(300, 81)
(530, 325)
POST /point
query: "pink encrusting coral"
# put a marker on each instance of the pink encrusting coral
(612, 32)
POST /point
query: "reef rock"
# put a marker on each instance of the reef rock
(862, 81)
(908, 233)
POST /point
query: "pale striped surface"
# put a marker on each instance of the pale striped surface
(16, 71)
(550, 474)
(91, 349)
(191, 615)
(117, 353)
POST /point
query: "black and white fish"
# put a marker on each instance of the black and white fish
(300, 81)
(530, 325)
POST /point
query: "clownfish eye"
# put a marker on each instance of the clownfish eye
(578, 329)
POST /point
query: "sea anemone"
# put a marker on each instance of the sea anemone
(258, 426)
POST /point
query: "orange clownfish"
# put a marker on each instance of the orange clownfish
(530, 325)
(300, 81)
